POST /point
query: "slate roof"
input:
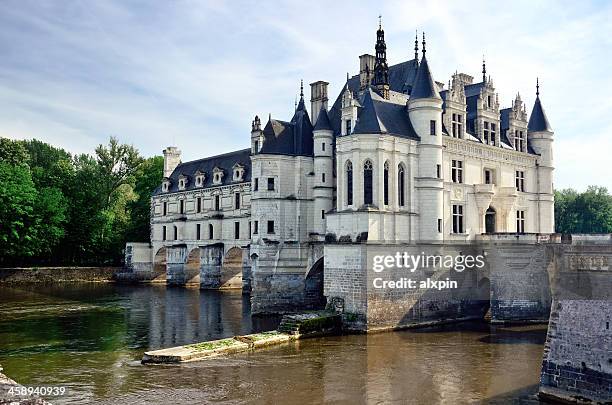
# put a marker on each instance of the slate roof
(424, 86)
(537, 119)
(323, 121)
(292, 138)
(225, 162)
(379, 116)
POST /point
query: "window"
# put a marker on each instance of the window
(488, 176)
(349, 183)
(198, 231)
(270, 183)
(210, 231)
(348, 127)
(165, 208)
(181, 184)
(255, 227)
(237, 200)
(519, 141)
(457, 171)
(217, 202)
(236, 230)
(439, 225)
(457, 218)
(256, 184)
(322, 214)
(322, 177)
(489, 133)
(439, 171)
(520, 221)
(457, 125)
(256, 148)
(175, 233)
(271, 227)
(323, 146)
(199, 205)
(164, 232)
(520, 180)
(182, 206)
(489, 101)
(238, 172)
(432, 127)
(386, 184)
(367, 183)
(400, 186)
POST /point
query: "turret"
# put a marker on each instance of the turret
(323, 138)
(425, 112)
(540, 138)
(256, 135)
(172, 158)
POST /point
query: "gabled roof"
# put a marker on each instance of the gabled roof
(225, 162)
(323, 123)
(289, 138)
(537, 119)
(424, 86)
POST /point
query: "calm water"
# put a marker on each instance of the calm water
(91, 337)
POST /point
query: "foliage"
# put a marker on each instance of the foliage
(57, 208)
(587, 212)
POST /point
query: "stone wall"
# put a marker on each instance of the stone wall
(57, 274)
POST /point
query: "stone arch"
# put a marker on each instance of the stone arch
(231, 270)
(192, 267)
(490, 220)
(368, 182)
(348, 169)
(313, 287)
(160, 268)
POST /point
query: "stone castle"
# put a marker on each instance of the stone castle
(397, 159)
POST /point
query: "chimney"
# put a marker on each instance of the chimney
(172, 158)
(366, 70)
(318, 99)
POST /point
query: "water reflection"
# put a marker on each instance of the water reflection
(90, 338)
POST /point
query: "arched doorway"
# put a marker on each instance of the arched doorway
(231, 271)
(159, 266)
(313, 287)
(490, 220)
(192, 268)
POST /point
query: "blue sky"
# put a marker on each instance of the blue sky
(194, 73)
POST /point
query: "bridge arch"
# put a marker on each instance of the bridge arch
(313, 286)
(160, 268)
(231, 270)
(192, 267)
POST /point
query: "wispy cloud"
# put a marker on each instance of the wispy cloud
(194, 73)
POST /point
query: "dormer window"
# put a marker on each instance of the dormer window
(199, 178)
(217, 175)
(166, 185)
(182, 183)
(238, 172)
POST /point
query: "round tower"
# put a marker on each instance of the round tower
(323, 138)
(425, 112)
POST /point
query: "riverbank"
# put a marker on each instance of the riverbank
(6, 397)
(18, 275)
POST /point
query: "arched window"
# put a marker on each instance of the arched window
(349, 183)
(401, 185)
(175, 233)
(210, 231)
(367, 183)
(386, 184)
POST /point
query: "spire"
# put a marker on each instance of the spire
(424, 85)
(537, 120)
(423, 45)
(416, 45)
(301, 88)
(301, 105)
(323, 123)
(381, 69)
(484, 70)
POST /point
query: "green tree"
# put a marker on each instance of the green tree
(587, 212)
(148, 178)
(13, 152)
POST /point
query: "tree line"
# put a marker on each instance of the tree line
(57, 208)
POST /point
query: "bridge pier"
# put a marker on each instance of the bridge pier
(211, 260)
(176, 256)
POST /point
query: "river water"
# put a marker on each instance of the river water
(89, 338)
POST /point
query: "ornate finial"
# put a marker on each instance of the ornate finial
(269, 116)
(380, 22)
(301, 88)
(423, 44)
(484, 70)
(295, 104)
(347, 76)
(416, 45)
(537, 87)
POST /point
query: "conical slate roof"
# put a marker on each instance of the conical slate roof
(424, 86)
(537, 119)
(368, 122)
(323, 121)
